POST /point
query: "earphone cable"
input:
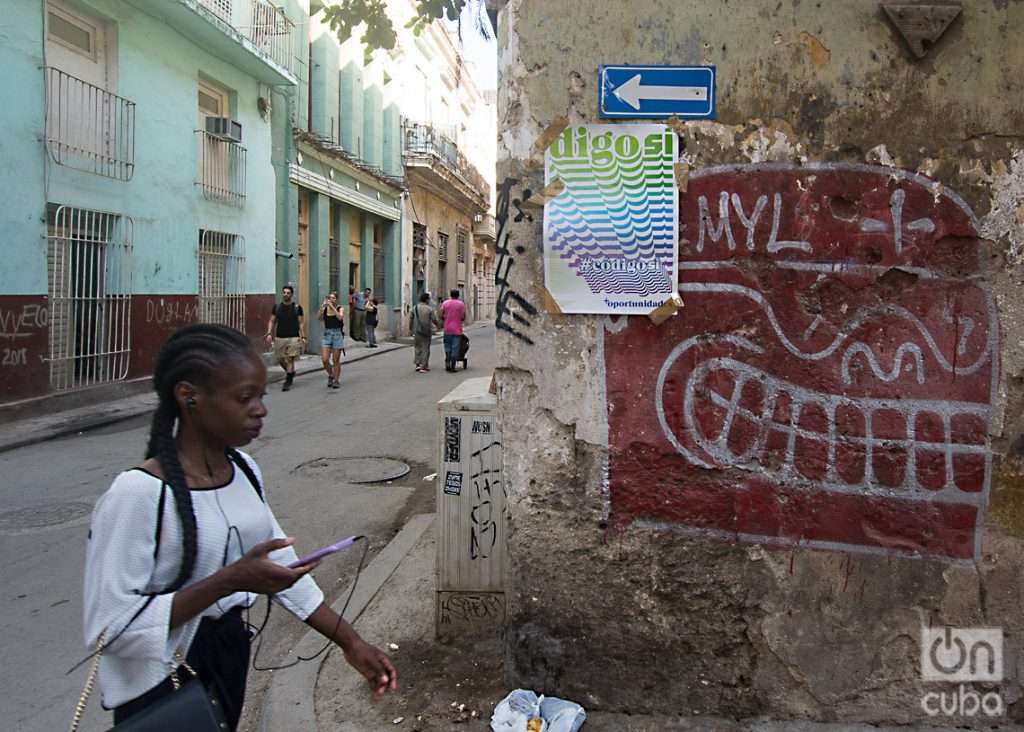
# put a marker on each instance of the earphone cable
(330, 641)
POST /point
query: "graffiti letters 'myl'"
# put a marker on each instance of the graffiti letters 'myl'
(511, 306)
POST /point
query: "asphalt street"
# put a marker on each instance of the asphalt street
(383, 409)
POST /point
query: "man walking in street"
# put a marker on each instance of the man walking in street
(453, 313)
(422, 322)
(286, 330)
(358, 325)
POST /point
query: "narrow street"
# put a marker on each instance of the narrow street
(383, 408)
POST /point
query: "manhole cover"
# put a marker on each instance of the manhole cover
(35, 517)
(354, 469)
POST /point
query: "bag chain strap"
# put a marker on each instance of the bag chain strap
(90, 681)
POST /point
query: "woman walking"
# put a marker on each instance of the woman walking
(180, 545)
(333, 341)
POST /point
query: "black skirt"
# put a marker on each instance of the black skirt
(220, 655)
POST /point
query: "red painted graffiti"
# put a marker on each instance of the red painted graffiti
(829, 382)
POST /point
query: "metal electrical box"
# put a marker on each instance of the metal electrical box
(470, 512)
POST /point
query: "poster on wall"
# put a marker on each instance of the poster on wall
(610, 234)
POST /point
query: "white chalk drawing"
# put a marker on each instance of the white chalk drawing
(615, 323)
(710, 447)
(863, 316)
(724, 226)
(879, 372)
(899, 196)
(798, 400)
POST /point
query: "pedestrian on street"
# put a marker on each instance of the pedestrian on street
(453, 313)
(371, 321)
(422, 323)
(287, 331)
(180, 545)
(333, 341)
(358, 324)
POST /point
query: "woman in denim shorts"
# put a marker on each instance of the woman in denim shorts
(333, 342)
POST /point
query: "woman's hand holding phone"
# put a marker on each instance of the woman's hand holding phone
(255, 572)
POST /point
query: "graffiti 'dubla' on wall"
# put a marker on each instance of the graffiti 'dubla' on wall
(831, 378)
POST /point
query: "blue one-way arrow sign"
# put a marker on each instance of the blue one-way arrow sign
(650, 92)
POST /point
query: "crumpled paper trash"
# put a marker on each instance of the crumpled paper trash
(524, 711)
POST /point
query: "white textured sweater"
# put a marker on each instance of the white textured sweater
(120, 568)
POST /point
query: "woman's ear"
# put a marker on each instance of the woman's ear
(186, 395)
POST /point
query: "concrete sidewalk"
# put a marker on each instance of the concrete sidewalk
(32, 430)
(39, 429)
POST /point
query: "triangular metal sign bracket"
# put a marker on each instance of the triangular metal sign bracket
(920, 22)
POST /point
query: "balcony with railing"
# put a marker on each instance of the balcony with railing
(89, 128)
(433, 160)
(484, 227)
(221, 169)
(256, 36)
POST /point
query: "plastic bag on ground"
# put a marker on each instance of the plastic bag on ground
(561, 715)
(515, 712)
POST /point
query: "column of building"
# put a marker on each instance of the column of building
(345, 184)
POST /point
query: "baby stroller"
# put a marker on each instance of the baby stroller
(460, 355)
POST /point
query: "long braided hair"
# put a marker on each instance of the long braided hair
(195, 353)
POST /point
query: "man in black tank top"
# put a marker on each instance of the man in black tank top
(286, 330)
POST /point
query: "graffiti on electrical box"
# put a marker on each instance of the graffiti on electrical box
(488, 503)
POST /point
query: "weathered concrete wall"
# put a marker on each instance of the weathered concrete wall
(754, 507)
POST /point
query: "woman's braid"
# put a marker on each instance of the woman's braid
(192, 354)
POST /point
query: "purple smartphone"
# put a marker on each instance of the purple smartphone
(326, 551)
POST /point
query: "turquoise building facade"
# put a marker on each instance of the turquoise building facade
(143, 194)
(337, 152)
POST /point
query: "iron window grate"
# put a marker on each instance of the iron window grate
(461, 241)
(379, 275)
(222, 279)
(442, 247)
(89, 128)
(221, 174)
(334, 270)
(89, 269)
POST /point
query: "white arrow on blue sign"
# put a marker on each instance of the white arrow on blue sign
(650, 92)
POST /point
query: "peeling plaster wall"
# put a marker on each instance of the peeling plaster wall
(616, 600)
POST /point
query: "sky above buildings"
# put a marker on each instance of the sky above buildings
(480, 52)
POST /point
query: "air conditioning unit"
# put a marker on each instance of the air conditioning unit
(224, 127)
